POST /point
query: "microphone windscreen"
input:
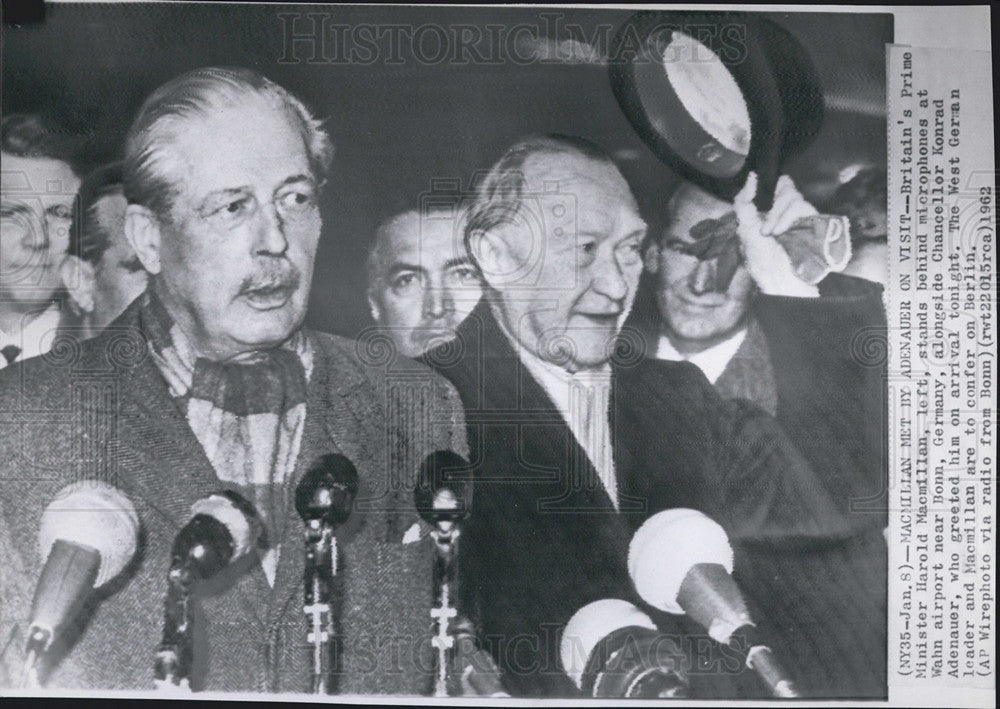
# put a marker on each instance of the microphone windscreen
(591, 624)
(665, 548)
(92, 514)
(444, 486)
(327, 490)
(236, 515)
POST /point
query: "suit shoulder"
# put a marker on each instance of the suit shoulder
(371, 363)
(681, 375)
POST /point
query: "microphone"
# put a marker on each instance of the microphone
(612, 649)
(88, 534)
(323, 498)
(441, 497)
(223, 527)
(681, 562)
(327, 490)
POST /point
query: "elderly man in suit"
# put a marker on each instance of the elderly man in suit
(208, 381)
(576, 438)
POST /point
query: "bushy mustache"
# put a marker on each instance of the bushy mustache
(272, 276)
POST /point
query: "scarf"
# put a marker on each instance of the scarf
(248, 413)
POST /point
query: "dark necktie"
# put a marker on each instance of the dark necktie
(10, 353)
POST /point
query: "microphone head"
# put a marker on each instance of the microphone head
(327, 491)
(665, 548)
(223, 527)
(236, 514)
(444, 487)
(591, 624)
(96, 515)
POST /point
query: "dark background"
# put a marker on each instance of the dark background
(401, 119)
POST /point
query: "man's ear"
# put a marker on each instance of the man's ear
(142, 229)
(78, 278)
(491, 253)
(651, 259)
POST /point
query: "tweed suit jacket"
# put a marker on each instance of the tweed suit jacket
(101, 410)
(544, 538)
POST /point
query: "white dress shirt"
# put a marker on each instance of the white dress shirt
(583, 400)
(712, 361)
(35, 337)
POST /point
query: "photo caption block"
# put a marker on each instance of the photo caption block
(942, 361)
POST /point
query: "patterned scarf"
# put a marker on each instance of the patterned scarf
(248, 413)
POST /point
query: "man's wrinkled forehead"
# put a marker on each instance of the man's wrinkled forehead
(577, 194)
(223, 129)
(562, 172)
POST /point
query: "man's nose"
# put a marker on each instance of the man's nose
(609, 280)
(703, 277)
(270, 233)
(438, 302)
(36, 234)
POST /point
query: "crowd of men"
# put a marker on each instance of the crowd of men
(593, 373)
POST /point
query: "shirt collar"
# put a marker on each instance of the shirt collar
(712, 361)
(555, 380)
(36, 335)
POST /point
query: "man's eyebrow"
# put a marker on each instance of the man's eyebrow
(457, 261)
(223, 193)
(398, 268)
(294, 179)
(18, 207)
(639, 231)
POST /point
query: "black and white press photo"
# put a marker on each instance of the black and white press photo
(504, 352)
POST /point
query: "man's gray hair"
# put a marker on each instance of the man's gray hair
(500, 194)
(197, 93)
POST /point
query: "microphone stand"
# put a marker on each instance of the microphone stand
(320, 567)
(323, 499)
(445, 535)
(173, 658)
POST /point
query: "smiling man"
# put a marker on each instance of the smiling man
(575, 438)
(209, 381)
(38, 189)
(728, 301)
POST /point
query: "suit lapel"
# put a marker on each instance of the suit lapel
(509, 386)
(333, 419)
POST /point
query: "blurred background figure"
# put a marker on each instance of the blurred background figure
(863, 200)
(421, 282)
(101, 272)
(38, 186)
